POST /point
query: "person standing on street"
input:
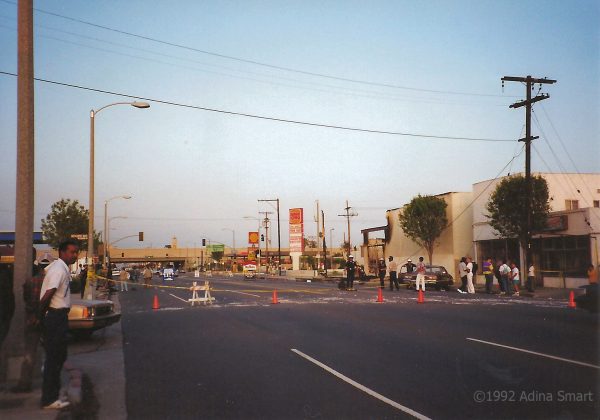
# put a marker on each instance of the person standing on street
(350, 271)
(488, 272)
(592, 274)
(55, 303)
(381, 270)
(531, 277)
(393, 269)
(514, 276)
(123, 278)
(83, 279)
(33, 328)
(470, 287)
(504, 272)
(462, 273)
(147, 277)
(420, 275)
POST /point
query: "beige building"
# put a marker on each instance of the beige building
(456, 240)
(562, 252)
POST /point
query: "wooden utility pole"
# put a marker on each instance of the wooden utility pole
(13, 348)
(348, 215)
(266, 223)
(527, 103)
(278, 234)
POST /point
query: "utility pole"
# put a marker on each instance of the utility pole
(14, 346)
(278, 234)
(324, 242)
(527, 103)
(317, 221)
(348, 215)
(266, 224)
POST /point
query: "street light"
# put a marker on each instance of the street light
(233, 232)
(258, 259)
(90, 250)
(106, 226)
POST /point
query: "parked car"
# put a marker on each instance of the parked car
(590, 300)
(436, 276)
(87, 316)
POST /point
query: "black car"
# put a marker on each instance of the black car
(590, 300)
(436, 276)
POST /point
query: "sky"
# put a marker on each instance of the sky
(428, 68)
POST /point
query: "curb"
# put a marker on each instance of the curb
(74, 383)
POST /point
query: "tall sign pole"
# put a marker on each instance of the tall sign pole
(527, 103)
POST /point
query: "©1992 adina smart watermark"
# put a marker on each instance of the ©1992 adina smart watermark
(531, 396)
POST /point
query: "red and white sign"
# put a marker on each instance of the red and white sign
(297, 230)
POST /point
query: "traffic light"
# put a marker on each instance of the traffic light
(141, 236)
(262, 237)
(203, 242)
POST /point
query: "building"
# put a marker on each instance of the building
(455, 241)
(564, 250)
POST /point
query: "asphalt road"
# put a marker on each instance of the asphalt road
(325, 353)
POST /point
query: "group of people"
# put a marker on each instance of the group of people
(506, 274)
(392, 268)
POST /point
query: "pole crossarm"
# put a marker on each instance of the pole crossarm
(529, 102)
(527, 79)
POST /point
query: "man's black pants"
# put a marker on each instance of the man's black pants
(463, 280)
(381, 278)
(394, 280)
(350, 280)
(56, 325)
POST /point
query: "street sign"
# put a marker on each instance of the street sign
(80, 237)
(215, 248)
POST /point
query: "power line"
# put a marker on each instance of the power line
(254, 62)
(261, 117)
(327, 88)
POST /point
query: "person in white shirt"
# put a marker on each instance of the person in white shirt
(470, 287)
(504, 271)
(514, 276)
(462, 273)
(420, 275)
(55, 302)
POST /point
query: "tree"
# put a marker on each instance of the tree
(423, 220)
(217, 255)
(66, 218)
(507, 207)
(310, 243)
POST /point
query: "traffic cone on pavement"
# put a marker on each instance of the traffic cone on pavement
(275, 301)
(421, 298)
(155, 304)
(572, 300)
(380, 296)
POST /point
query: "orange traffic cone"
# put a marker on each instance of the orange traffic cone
(421, 298)
(380, 295)
(275, 301)
(155, 304)
(572, 300)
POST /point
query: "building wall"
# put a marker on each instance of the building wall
(561, 187)
(455, 242)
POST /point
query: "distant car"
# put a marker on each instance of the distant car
(87, 316)
(436, 276)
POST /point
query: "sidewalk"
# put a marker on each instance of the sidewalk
(93, 380)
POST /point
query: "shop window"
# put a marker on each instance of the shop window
(596, 203)
(571, 204)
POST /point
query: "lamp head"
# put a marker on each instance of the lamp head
(142, 105)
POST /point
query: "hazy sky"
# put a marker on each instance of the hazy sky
(193, 173)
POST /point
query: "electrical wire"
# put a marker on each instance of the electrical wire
(339, 90)
(254, 62)
(262, 117)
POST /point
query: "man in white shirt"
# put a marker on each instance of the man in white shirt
(462, 273)
(504, 271)
(470, 286)
(420, 275)
(514, 276)
(55, 302)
